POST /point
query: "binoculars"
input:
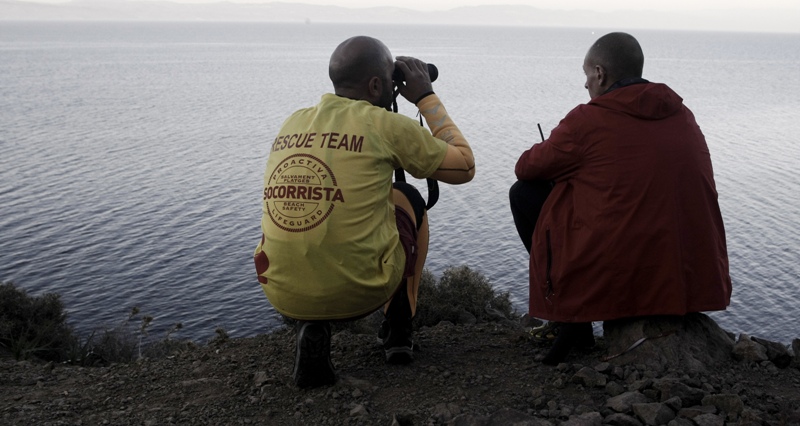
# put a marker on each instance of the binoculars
(398, 75)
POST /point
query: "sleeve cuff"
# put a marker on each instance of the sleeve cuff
(424, 95)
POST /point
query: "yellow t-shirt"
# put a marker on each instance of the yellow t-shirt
(330, 248)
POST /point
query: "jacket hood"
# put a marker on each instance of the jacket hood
(651, 101)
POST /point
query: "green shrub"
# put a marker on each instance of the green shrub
(34, 325)
(459, 290)
(130, 341)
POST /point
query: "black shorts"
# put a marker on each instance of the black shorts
(405, 225)
(417, 202)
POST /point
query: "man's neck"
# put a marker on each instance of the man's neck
(628, 81)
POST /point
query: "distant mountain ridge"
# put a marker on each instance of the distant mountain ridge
(495, 15)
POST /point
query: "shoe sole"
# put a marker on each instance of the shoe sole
(399, 355)
(312, 365)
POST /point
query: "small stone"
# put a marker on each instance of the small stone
(640, 385)
(678, 421)
(654, 413)
(259, 378)
(588, 419)
(674, 403)
(444, 412)
(777, 353)
(748, 350)
(589, 377)
(603, 367)
(709, 420)
(621, 419)
(359, 411)
(674, 387)
(729, 404)
(614, 388)
(622, 403)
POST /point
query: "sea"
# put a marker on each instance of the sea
(132, 156)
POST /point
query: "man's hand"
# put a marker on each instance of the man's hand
(417, 79)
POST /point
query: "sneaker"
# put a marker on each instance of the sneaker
(397, 343)
(546, 332)
(312, 364)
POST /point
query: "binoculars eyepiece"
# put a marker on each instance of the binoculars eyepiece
(398, 75)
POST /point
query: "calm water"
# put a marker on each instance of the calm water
(131, 156)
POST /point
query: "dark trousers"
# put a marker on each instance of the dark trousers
(527, 198)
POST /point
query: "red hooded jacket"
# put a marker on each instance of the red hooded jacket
(632, 226)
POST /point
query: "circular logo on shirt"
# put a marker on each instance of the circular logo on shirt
(300, 193)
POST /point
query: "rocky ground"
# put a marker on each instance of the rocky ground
(481, 374)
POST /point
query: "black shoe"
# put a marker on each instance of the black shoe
(570, 335)
(397, 343)
(312, 364)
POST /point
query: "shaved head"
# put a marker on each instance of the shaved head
(361, 68)
(619, 54)
(356, 60)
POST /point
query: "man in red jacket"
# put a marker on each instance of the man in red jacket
(618, 207)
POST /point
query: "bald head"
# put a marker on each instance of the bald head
(611, 58)
(620, 55)
(356, 60)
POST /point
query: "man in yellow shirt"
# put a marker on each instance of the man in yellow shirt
(339, 239)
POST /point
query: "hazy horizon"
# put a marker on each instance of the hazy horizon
(441, 5)
(738, 16)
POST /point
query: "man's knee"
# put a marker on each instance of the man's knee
(529, 193)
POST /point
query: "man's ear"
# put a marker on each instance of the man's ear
(375, 87)
(602, 76)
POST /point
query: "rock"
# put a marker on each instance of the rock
(493, 314)
(614, 388)
(588, 419)
(751, 418)
(680, 422)
(640, 385)
(796, 350)
(359, 411)
(692, 412)
(671, 388)
(622, 403)
(467, 318)
(748, 350)
(653, 413)
(502, 417)
(603, 367)
(403, 419)
(691, 342)
(777, 353)
(674, 403)
(729, 404)
(350, 381)
(621, 419)
(259, 378)
(709, 420)
(589, 377)
(444, 412)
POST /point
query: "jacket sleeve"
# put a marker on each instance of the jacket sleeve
(555, 157)
(458, 165)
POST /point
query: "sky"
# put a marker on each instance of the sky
(428, 5)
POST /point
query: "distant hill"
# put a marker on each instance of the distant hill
(495, 15)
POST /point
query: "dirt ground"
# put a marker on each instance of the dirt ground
(484, 374)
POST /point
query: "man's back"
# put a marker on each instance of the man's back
(632, 226)
(329, 221)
